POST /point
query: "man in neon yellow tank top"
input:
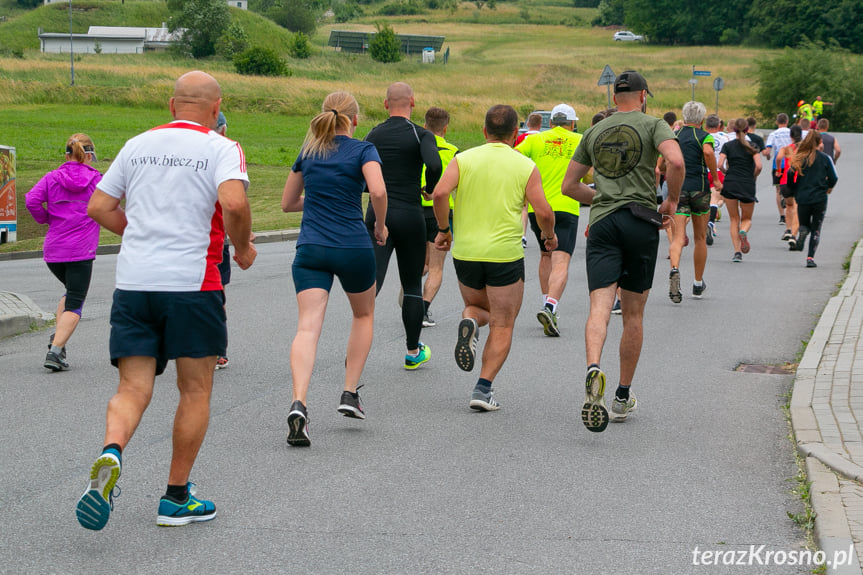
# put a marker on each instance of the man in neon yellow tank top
(436, 122)
(551, 151)
(493, 182)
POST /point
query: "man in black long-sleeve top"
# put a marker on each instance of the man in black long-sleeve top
(404, 148)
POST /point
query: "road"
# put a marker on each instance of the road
(425, 485)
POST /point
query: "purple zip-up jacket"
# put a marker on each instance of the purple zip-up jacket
(60, 200)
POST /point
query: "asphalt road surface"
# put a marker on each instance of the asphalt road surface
(426, 485)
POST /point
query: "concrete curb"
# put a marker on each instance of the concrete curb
(260, 238)
(832, 533)
(20, 314)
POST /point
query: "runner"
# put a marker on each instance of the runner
(180, 182)
(740, 162)
(831, 146)
(60, 199)
(624, 232)
(333, 169)
(778, 139)
(404, 148)
(436, 121)
(551, 151)
(811, 179)
(493, 182)
(783, 163)
(712, 125)
(697, 148)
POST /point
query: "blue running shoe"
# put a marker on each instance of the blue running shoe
(172, 514)
(97, 502)
(422, 356)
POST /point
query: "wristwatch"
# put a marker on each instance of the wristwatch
(443, 230)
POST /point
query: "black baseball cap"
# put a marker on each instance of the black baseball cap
(631, 81)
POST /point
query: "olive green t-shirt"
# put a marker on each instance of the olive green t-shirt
(623, 150)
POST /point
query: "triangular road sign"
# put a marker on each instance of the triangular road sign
(607, 77)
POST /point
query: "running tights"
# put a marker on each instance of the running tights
(811, 217)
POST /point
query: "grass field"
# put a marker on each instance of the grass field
(495, 57)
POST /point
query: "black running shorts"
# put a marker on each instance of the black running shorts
(621, 249)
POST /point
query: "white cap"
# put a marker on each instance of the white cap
(564, 110)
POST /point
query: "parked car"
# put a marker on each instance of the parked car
(627, 36)
(546, 121)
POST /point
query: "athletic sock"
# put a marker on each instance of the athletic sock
(483, 385)
(426, 305)
(544, 299)
(56, 350)
(713, 210)
(697, 283)
(592, 365)
(551, 304)
(177, 493)
(114, 449)
(622, 393)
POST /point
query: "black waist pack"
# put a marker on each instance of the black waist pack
(644, 213)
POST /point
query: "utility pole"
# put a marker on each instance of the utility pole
(71, 46)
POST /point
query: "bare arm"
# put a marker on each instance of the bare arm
(544, 214)
(378, 197)
(447, 183)
(723, 164)
(757, 159)
(675, 170)
(710, 161)
(106, 211)
(292, 196)
(572, 185)
(237, 214)
(837, 151)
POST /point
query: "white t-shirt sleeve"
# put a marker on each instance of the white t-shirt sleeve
(113, 182)
(231, 164)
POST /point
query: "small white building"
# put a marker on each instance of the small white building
(109, 40)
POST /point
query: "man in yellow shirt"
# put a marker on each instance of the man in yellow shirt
(551, 151)
(493, 183)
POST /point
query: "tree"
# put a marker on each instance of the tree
(295, 15)
(259, 61)
(29, 3)
(610, 13)
(299, 46)
(345, 11)
(685, 21)
(385, 46)
(204, 22)
(233, 41)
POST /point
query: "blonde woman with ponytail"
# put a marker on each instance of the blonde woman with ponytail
(333, 169)
(740, 161)
(60, 200)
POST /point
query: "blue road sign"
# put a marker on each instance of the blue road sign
(701, 72)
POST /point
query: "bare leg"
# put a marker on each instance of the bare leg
(734, 224)
(195, 382)
(434, 279)
(67, 321)
(544, 272)
(632, 305)
(678, 235)
(504, 303)
(312, 305)
(746, 211)
(360, 339)
(596, 328)
(791, 221)
(125, 409)
(475, 304)
(699, 251)
(559, 274)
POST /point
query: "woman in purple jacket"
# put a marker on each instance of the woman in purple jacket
(60, 200)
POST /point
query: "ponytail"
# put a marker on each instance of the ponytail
(78, 146)
(338, 111)
(741, 126)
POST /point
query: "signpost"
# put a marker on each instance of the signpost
(607, 79)
(693, 81)
(718, 84)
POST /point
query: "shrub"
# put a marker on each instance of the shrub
(345, 11)
(299, 46)
(258, 61)
(234, 41)
(385, 46)
(401, 9)
(204, 21)
(730, 37)
(294, 15)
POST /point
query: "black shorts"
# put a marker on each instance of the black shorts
(75, 277)
(785, 191)
(315, 266)
(566, 228)
(621, 249)
(478, 275)
(167, 325)
(745, 194)
(432, 227)
(776, 178)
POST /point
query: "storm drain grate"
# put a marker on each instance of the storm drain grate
(772, 369)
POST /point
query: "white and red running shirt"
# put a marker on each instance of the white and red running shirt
(170, 177)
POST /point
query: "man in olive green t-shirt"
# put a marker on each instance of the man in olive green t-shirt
(624, 236)
(493, 181)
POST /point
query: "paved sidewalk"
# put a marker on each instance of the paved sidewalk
(827, 418)
(18, 314)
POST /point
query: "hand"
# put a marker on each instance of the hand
(551, 243)
(252, 237)
(245, 258)
(717, 185)
(667, 210)
(443, 241)
(381, 233)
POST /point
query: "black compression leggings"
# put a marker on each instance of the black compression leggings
(407, 236)
(811, 216)
(76, 279)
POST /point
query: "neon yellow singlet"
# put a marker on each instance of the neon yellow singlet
(487, 214)
(552, 151)
(446, 151)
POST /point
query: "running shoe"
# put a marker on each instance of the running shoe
(523, 242)
(97, 502)
(222, 362)
(810, 263)
(422, 356)
(792, 245)
(709, 235)
(744, 242)
(615, 309)
(698, 291)
(51, 342)
(172, 514)
(782, 218)
(738, 257)
(482, 401)
(801, 239)
(55, 362)
(674, 286)
(787, 235)
(594, 415)
(621, 409)
(298, 425)
(548, 319)
(427, 320)
(465, 347)
(351, 406)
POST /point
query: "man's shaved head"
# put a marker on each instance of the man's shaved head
(399, 93)
(196, 98)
